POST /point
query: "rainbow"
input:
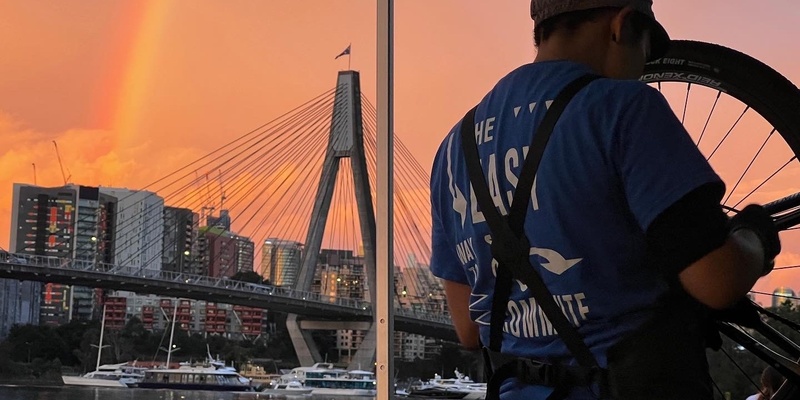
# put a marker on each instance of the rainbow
(122, 98)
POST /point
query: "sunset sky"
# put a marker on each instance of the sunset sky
(132, 90)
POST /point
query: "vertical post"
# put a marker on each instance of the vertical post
(172, 331)
(385, 258)
(100, 345)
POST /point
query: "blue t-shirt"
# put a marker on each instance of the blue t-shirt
(617, 158)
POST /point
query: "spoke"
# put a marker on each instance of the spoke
(713, 107)
(748, 166)
(686, 102)
(783, 296)
(728, 208)
(740, 369)
(729, 132)
(765, 181)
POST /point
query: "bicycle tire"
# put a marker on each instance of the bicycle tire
(744, 78)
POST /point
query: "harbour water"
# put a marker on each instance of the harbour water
(93, 393)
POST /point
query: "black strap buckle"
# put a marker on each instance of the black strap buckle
(555, 375)
(512, 251)
(540, 373)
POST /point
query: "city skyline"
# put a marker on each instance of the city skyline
(121, 85)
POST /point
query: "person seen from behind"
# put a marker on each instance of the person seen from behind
(771, 381)
(624, 223)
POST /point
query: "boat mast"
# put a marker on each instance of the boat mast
(100, 346)
(172, 331)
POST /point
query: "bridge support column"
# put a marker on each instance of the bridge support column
(308, 352)
(304, 345)
(346, 141)
(365, 355)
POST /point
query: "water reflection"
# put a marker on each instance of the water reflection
(92, 393)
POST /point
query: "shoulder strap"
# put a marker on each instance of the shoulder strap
(510, 246)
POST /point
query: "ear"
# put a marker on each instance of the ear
(619, 25)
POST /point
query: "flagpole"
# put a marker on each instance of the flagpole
(349, 54)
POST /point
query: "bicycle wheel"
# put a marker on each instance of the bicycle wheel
(733, 105)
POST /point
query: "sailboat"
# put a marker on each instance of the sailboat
(108, 375)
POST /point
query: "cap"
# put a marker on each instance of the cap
(542, 10)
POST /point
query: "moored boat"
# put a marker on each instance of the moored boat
(196, 377)
(291, 388)
(460, 387)
(110, 375)
(325, 380)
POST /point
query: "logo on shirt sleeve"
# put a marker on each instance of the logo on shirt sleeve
(459, 201)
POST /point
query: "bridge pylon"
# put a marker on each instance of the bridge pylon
(346, 140)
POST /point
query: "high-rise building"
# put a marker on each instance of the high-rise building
(19, 304)
(245, 249)
(192, 316)
(94, 241)
(418, 289)
(180, 234)
(341, 274)
(62, 222)
(783, 295)
(280, 261)
(219, 253)
(42, 223)
(139, 228)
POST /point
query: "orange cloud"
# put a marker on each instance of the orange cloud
(89, 158)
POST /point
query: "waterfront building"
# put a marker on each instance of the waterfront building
(280, 261)
(783, 295)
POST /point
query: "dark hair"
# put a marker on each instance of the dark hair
(771, 380)
(570, 21)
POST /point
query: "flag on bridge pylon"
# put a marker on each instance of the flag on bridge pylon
(346, 52)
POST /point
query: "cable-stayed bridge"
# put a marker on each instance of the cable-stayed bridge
(199, 287)
(308, 178)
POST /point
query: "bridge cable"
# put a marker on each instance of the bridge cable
(251, 133)
(235, 166)
(286, 157)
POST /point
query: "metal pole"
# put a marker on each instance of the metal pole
(385, 255)
(172, 331)
(100, 346)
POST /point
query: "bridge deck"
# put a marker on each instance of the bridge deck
(220, 290)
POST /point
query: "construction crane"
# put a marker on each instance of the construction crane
(210, 207)
(60, 164)
(222, 190)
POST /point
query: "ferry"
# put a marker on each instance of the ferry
(206, 376)
(325, 380)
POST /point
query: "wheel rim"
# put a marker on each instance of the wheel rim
(752, 147)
